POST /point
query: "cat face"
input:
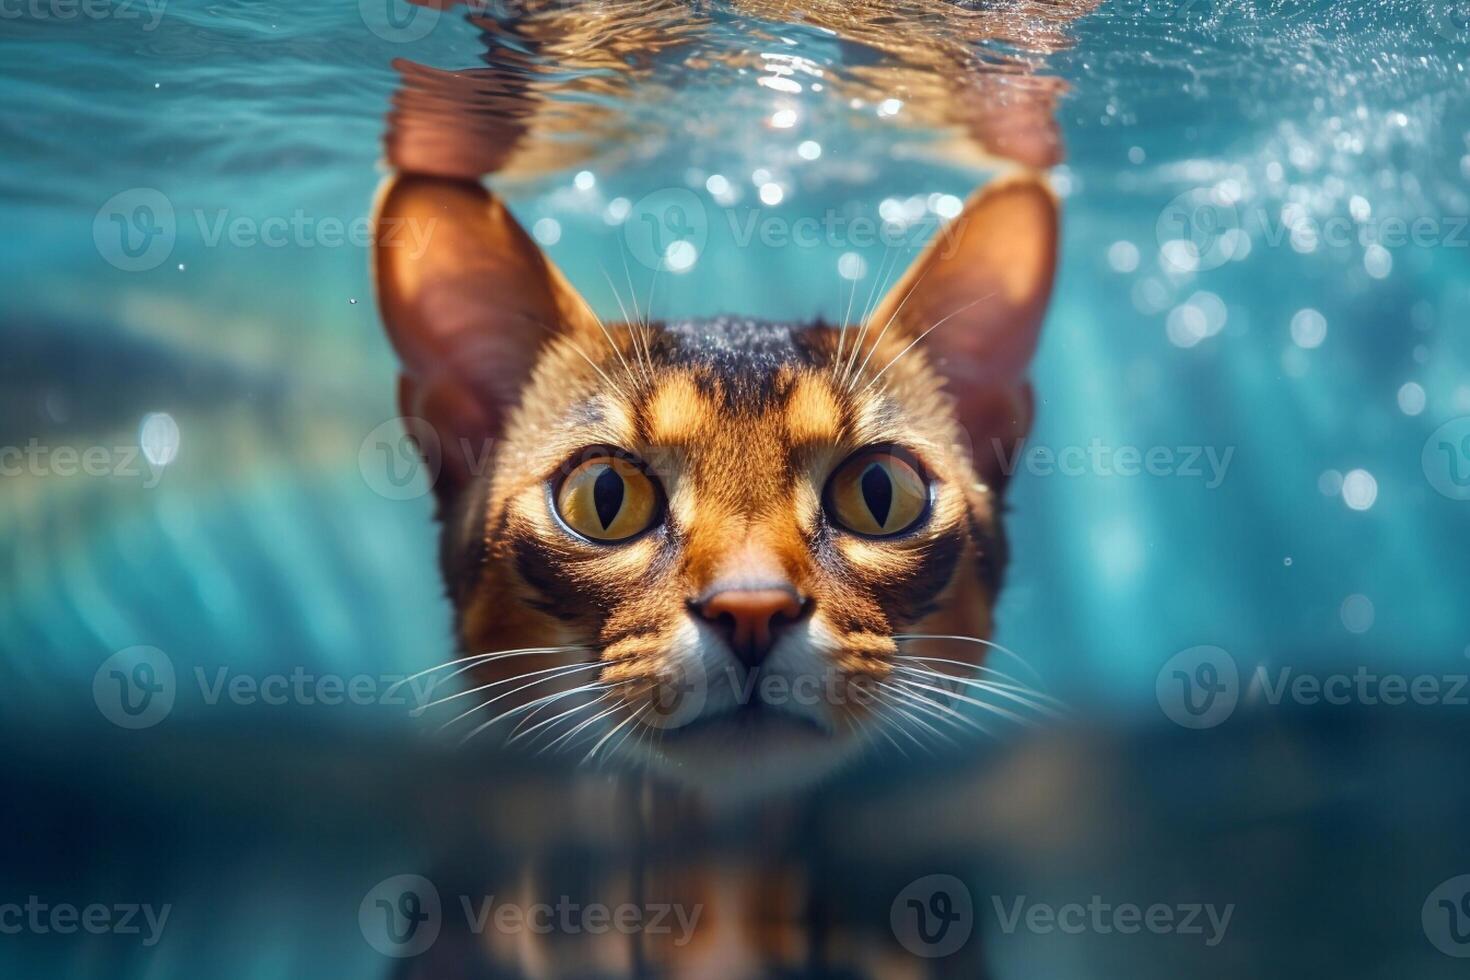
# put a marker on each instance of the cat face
(718, 535)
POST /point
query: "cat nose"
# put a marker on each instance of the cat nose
(751, 617)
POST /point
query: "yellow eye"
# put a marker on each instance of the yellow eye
(877, 493)
(607, 498)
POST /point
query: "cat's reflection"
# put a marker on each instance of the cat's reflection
(618, 80)
(625, 879)
(578, 874)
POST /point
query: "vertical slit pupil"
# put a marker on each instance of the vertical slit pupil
(607, 496)
(878, 492)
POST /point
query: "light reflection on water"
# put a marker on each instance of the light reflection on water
(567, 83)
(1289, 330)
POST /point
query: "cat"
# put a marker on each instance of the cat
(709, 545)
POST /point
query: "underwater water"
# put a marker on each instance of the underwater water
(1253, 426)
(1263, 282)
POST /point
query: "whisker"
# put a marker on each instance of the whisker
(879, 339)
(913, 343)
(879, 277)
(1002, 679)
(1000, 675)
(652, 285)
(876, 725)
(517, 733)
(532, 705)
(595, 367)
(879, 280)
(557, 669)
(562, 337)
(918, 721)
(984, 668)
(971, 639)
(632, 289)
(562, 672)
(842, 328)
(992, 708)
(614, 731)
(605, 332)
(859, 730)
(479, 658)
(617, 746)
(949, 714)
(639, 325)
(449, 677)
(886, 717)
(585, 722)
(1036, 700)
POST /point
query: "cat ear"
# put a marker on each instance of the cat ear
(468, 301)
(977, 296)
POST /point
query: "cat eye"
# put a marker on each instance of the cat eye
(608, 498)
(877, 493)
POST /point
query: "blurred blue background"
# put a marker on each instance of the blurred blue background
(1198, 311)
(1265, 287)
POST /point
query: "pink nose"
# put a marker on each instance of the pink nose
(751, 616)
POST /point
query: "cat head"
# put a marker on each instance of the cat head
(712, 540)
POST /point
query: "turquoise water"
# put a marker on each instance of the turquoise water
(1198, 313)
(1264, 290)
